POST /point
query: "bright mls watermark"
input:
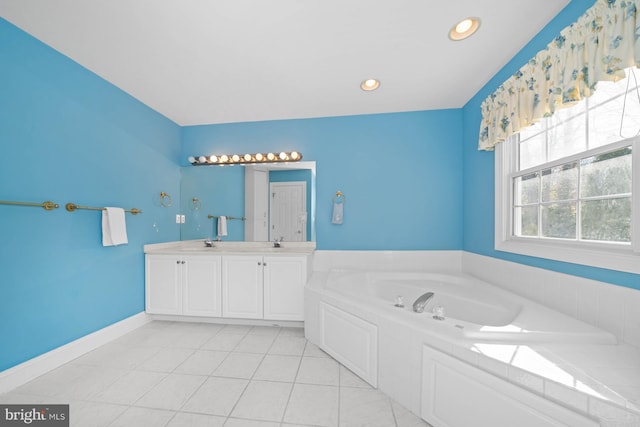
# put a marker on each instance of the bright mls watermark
(34, 415)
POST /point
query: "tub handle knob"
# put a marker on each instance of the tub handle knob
(438, 312)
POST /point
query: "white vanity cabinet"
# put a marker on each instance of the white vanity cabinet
(183, 284)
(264, 287)
(242, 286)
(284, 280)
(227, 284)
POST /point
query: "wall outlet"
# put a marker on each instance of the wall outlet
(182, 219)
(177, 219)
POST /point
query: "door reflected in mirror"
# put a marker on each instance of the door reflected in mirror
(261, 202)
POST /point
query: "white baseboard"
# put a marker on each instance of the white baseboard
(23, 373)
(227, 320)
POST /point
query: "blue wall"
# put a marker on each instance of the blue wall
(479, 167)
(69, 136)
(400, 173)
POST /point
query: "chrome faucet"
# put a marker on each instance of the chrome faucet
(278, 242)
(421, 302)
(208, 243)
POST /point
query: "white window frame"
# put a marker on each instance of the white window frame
(604, 255)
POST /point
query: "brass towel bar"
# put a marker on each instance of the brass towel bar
(72, 207)
(48, 206)
(229, 217)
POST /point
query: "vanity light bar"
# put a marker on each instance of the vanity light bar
(241, 159)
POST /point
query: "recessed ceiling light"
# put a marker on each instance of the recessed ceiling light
(370, 84)
(465, 28)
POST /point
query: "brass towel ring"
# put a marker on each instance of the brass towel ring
(197, 204)
(165, 200)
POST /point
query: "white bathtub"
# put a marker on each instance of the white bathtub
(493, 348)
(474, 309)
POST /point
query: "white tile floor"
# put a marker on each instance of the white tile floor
(193, 374)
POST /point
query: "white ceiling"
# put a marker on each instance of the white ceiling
(222, 61)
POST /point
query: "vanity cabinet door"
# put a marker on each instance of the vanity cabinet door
(201, 290)
(284, 280)
(163, 284)
(242, 291)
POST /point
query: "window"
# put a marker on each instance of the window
(565, 186)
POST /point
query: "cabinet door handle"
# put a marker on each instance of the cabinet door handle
(259, 263)
(178, 262)
(264, 263)
(184, 262)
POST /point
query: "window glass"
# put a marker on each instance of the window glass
(606, 220)
(560, 183)
(533, 151)
(606, 124)
(559, 220)
(606, 174)
(526, 221)
(527, 189)
(567, 138)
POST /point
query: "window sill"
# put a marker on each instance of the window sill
(613, 259)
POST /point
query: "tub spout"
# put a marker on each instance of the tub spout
(421, 302)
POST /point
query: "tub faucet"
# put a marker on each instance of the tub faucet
(421, 302)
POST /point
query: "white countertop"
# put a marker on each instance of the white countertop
(198, 247)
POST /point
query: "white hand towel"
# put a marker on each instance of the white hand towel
(114, 227)
(222, 226)
(338, 213)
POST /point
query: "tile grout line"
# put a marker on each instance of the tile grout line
(286, 406)
(393, 413)
(252, 375)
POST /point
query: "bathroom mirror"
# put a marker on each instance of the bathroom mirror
(223, 191)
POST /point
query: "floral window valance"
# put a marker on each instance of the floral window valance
(599, 46)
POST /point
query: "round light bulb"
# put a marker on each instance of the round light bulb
(464, 29)
(259, 157)
(369, 85)
(214, 159)
(295, 155)
(464, 26)
(202, 159)
(271, 156)
(235, 158)
(247, 157)
(191, 159)
(283, 156)
(224, 158)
